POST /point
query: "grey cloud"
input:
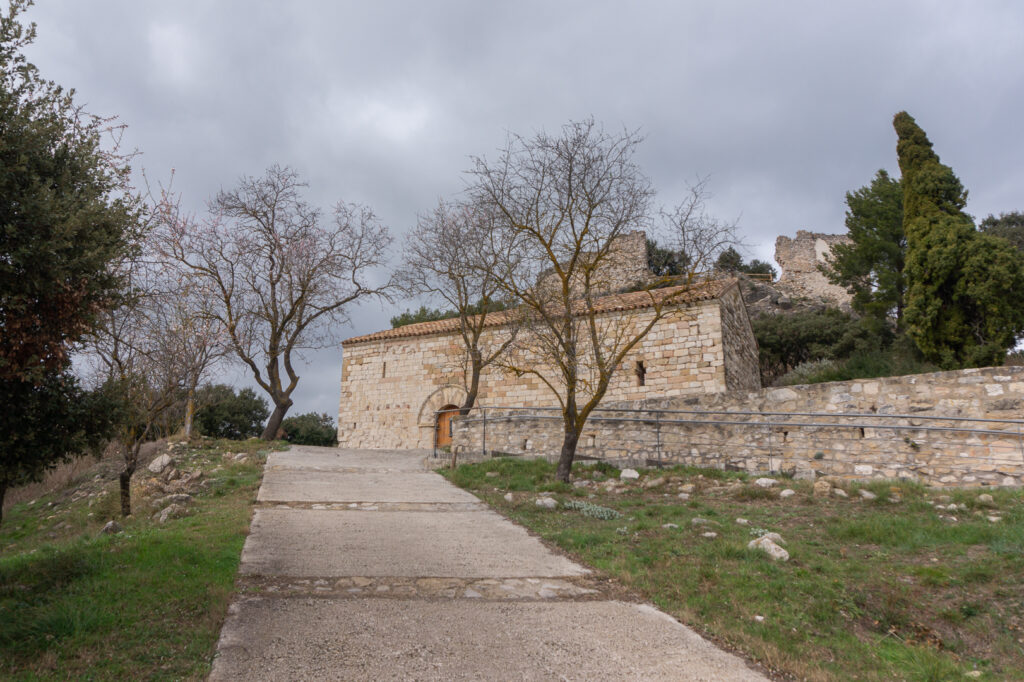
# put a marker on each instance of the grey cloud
(786, 105)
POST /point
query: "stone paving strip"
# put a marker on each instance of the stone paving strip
(364, 565)
(378, 506)
(487, 589)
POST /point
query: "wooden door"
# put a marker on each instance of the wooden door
(444, 425)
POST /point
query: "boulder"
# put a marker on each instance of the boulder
(687, 488)
(766, 483)
(822, 488)
(653, 483)
(112, 528)
(160, 463)
(985, 500)
(178, 498)
(769, 547)
(788, 492)
(805, 475)
(174, 511)
(509, 497)
(867, 494)
(547, 502)
(629, 474)
(839, 492)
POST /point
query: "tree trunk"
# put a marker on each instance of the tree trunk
(190, 411)
(3, 491)
(474, 389)
(125, 479)
(280, 410)
(565, 459)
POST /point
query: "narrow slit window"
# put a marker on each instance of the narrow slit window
(641, 373)
(384, 370)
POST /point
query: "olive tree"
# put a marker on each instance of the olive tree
(281, 280)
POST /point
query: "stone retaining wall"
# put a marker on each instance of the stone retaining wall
(889, 440)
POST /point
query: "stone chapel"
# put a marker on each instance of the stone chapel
(395, 382)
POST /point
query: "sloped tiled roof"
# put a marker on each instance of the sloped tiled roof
(634, 300)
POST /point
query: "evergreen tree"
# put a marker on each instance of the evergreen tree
(729, 260)
(665, 262)
(965, 289)
(1009, 226)
(66, 216)
(225, 414)
(311, 429)
(871, 266)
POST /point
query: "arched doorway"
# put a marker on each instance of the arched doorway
(443, 425)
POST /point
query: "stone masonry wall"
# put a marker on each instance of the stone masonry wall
(624, 266)
(391, 389)
(865, 448)
(800, 257)
(742, 368)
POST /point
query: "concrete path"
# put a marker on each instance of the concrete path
(364, 565)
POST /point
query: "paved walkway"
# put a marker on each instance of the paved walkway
(363, 565)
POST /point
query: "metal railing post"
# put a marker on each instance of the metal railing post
(657, 426)
(483, 440)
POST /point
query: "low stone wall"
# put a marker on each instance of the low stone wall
(926, 427)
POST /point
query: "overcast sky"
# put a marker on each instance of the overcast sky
(785, 105)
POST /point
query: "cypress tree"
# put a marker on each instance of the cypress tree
(965, 293)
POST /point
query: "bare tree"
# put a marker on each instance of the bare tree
(450, 256)
(197, 336)
(278, 276)
(561, 202)
(699, 236)
(140, 358)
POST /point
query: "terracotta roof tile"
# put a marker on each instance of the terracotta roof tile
(634, 300)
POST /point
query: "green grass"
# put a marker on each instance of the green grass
(873, 590)
(144, 604)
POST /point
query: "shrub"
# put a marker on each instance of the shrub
(310, 429)
(592, 510)
(223, 413)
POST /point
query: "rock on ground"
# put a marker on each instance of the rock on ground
(766, 483)
(547, 502)
(629, 474)
(822, 488)
(160, 463)
(174, 511)
(766, 545)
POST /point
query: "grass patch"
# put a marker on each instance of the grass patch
(874, 590)
(147, 603)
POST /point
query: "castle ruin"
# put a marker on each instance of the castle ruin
(801, 259)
